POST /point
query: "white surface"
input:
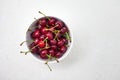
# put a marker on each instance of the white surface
(96, 29)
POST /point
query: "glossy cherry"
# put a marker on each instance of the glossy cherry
(35, 34)
(42, 21)
(58, 54)
(53, 42)
(33, 49)
(63, 49)
(64, 30)
(41, 44)
(43, 54)
(52, 21)
(59, 24)
(51, 52)
(60, 43)
(49, 35)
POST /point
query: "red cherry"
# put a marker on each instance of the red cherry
(36, 41)
(58, 54)
(33, 50)
(51, 52)
(42, 37)
(41, 44)
(52, 21)
(65, 40)
(53, 42)
(43, 30)
(63, 49)
(59, 24)
(43, 54)
(64, 30)
(49, 35)
(42, 21)
(60, 43)
(54, 47)
(35, 34)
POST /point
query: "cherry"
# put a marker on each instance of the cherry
(53, 42)
(59, 24)
(58, 54)
(43, 54)
(60, 43)
(64, 30)
(33, 50)
(35, 34)
(42, 21)
(49, 35)
(41, 44)
(42, 37)
(43, 30)
(36, 41)
(51, 52)
(52, 21)
(54, 47)
(63, 49)
(65, 40)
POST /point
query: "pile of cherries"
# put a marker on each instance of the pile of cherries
(50, 38)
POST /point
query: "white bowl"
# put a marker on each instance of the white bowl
(32, 26)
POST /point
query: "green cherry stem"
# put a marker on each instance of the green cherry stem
(26, 41)
(68, 36)
(29, 50)
(44, 15)
(56, 59)
(49, 57)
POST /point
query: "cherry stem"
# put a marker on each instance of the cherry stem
(56, 32)
(44, 15)
(57, 60)
(45, 39)
(24, 52)
(68, 36)
(25, 41)
(48, 66)
(35, 18)
(49, 57)
(29, 50)
(29, 30)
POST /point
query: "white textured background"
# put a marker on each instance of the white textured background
(96, 29)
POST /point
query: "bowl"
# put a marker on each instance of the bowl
(33, 26)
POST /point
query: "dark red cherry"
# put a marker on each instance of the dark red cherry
(35, 34)
(42, 37)
(51, 52)
(43, 30)
(63, 49)
(64, 30)
(65, 40)
(42, 21)
(53, 42)
(49, 35)
(36, 41)
(59, 24)
(60, 43)
(43, 54)
(52, 21)
(54, 47)
(58, 55)
(33, 48)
